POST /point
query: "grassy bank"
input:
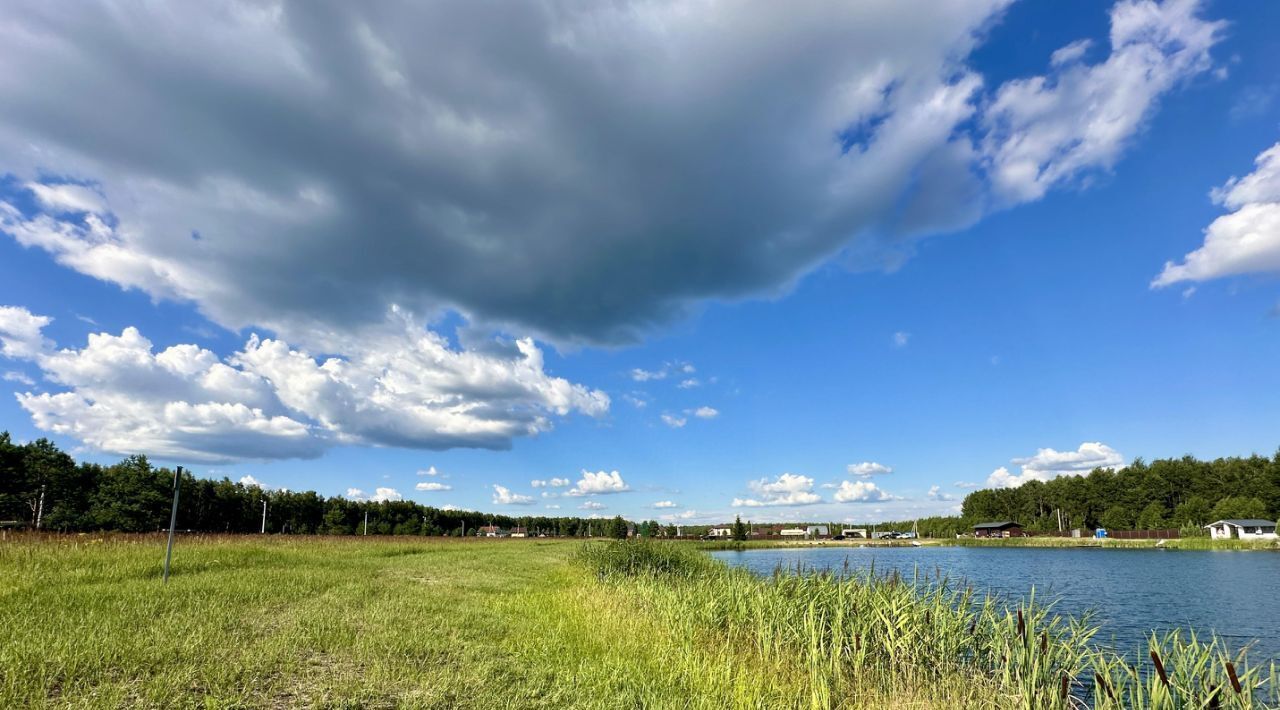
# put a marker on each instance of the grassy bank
(258, 622)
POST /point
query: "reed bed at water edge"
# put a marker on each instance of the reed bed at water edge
(853, 637)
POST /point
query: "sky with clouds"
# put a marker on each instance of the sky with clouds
(805, 260)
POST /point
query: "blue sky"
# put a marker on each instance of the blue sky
(722, 301)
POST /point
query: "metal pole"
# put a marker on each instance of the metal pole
(366, 522)
(173, 522)
(264, 516)
(40, 508)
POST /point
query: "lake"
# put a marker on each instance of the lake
(1132, 592)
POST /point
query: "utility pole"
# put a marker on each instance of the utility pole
(366, 522)
(40, 508)
(173, 521)
(264, 516)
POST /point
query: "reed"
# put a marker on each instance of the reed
(855, 636)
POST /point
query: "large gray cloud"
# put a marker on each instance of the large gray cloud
(581, 172)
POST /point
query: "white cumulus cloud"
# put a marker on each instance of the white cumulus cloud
(598, 483)
(18, 377)
(860, 492)
(380, 495)
(868, 468)
(1046, 130)
(787, 489)
(504, 496)
(432, 486)
(674, 421)
(1049, 463)
(401, 386)
(935, 493)
(665, 504)
(1245, 241)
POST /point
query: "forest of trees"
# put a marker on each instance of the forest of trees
(134, 496)
(1183, 493)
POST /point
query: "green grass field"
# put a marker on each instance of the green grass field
(280, 622)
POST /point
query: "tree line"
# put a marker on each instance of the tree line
(1184, 493)
(38, 481)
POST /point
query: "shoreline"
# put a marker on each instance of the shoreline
(1046, 543)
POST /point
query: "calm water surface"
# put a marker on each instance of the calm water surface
(1132, 592)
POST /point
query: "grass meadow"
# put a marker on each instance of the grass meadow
(283, 622)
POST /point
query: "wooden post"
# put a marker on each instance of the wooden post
(264, 516)
(173, 521)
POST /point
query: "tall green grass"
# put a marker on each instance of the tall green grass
(851, 638)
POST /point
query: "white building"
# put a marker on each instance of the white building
(854, 532)
(1250, 529)
(720, 532)
(793, 532)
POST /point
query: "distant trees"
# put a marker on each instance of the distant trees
(135, 496)
(1183, 492)
(617, 528)
(1239, 507)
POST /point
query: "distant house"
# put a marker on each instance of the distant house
(1001, 528)
(519, 532)
(491, 531)
(720, 532)
(794, 532)
(1247, 529)
(817, 531)
(854, 532)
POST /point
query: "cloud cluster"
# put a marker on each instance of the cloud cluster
(668, 369)
(867, 469)
(787, 489)
(598, 483)
(1048, 463)
(380, 495)
(860, 492)
(552, 482)
(935, 493)
(432, 486)
(399, 386)
(504, 496)
(1044, 130)
(1245, 241)
(579, 172)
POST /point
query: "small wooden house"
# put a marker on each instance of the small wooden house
(1000, 528)
(1250, 529)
